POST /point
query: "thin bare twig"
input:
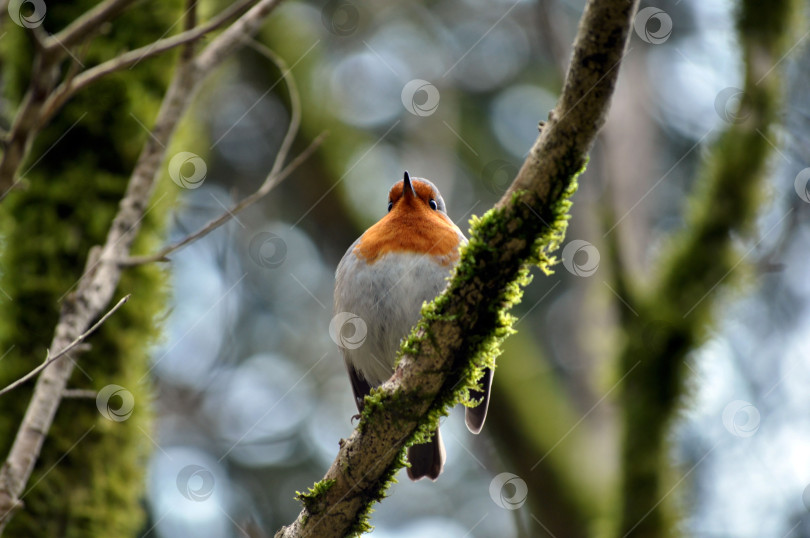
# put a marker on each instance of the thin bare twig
(79, 339)
(79, 393)
(234, 35)
(276, 175)
(17, 142)
(38, 37)
(189, 23)
(267, 186)
(295, 105)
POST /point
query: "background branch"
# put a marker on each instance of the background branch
(84, 26)
(102, 273)
(44, 98)
(50, 50)
(269, 183)
(274, 177)
(71, 86)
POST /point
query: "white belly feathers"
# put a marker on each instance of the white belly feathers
(388, 297)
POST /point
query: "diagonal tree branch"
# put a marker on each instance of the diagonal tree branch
(95, 289)
(460, 330)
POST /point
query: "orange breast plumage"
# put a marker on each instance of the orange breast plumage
(411, 227)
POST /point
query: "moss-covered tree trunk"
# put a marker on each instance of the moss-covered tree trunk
(89, 479)
(673, 314)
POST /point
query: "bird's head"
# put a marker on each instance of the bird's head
(416, 222)
(415, 195)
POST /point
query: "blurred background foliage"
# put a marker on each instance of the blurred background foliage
(250, 394)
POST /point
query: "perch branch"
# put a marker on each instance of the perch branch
(435, 362)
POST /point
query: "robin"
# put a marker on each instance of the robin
(383, 279)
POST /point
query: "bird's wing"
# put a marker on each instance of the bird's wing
(475, 416)
(360, 386)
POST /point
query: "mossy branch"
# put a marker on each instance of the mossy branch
(674, 314)
(460, 331)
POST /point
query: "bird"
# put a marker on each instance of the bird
(382, 281)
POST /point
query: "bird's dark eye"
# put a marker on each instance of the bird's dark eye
(390, 205)
(433, 205)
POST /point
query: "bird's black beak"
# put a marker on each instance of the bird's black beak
(408, 186)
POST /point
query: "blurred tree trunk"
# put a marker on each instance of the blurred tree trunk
(672, 315)
(89, 479)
